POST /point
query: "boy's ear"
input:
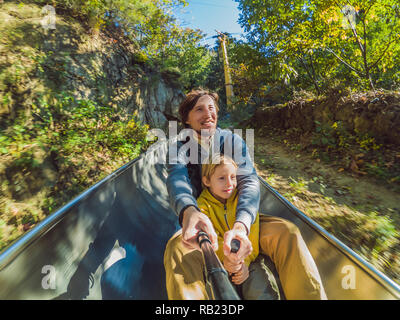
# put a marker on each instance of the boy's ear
(205, 181)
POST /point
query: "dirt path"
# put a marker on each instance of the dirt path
(360, 211)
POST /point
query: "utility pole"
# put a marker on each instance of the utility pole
(228, 79)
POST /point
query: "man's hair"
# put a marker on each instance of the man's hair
(190, 101)
(208, 168)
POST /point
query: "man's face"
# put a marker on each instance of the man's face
(203, 116)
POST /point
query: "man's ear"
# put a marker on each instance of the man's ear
(205, 181)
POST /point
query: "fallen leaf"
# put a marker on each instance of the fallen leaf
(341, 169)
(26, 226)
(353, 166)
(389, 164)
(14, 210)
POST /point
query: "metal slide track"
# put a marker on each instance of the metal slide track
(108, 243)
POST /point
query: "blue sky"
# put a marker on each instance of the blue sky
(209, 15)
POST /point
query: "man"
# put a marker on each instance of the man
(279, 239)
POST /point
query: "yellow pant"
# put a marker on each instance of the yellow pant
(279, 239)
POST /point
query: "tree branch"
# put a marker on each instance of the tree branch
(345, 63)
(353, 29)
(383, 53)
(369, 8)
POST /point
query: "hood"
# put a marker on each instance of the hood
(206, 194)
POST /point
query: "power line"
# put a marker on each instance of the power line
(208, 4)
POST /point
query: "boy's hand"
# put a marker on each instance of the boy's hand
(232, 267)
(237, 232)
(241, 276)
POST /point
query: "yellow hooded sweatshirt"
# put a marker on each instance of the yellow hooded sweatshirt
(223, 216)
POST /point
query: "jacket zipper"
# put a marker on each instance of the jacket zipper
(226, 218)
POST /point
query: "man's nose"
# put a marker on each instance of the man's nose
(208, 113)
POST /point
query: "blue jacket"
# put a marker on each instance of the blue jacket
(184, 177)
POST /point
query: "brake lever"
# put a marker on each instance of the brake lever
(235, 245)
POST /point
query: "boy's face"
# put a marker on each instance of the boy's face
(223, 182)
(203, 116)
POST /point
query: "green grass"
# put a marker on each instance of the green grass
(76, 136)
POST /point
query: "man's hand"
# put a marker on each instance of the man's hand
(193, 222)
(238, 232)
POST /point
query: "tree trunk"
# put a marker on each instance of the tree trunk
(313, 80)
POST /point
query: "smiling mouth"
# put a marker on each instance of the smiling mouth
(207, 123)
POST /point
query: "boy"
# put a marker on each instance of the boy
(218, 201)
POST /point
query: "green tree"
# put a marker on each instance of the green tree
(252, 72)
(283, 31)
(327, 39)
(150, 25)
(362, 35)
(188, 56)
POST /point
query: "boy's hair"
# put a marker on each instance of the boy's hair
(190, 101)
(208, 168)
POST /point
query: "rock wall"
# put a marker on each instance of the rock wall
(157, 102)
(37, 64)
(365, 113)
(103, 66)
(109, 69)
